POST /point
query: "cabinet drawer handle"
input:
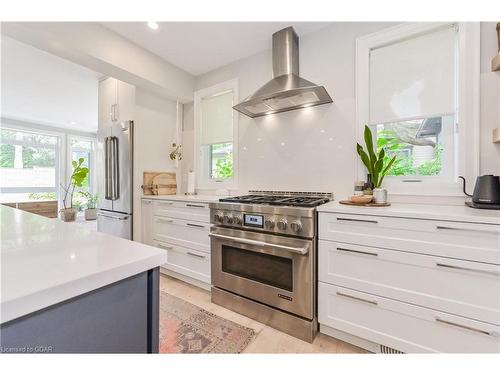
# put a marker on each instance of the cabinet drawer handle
(440, 227)
(358, 220)
(357, 298)
(165, 247)
(443, 265)
(195, 225)
(168, 221)
(357, 251)
(439, 320)
(196, 255)
(194, 205)
(166, 203)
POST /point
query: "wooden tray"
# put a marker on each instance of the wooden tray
(371, 204)
(159, 183)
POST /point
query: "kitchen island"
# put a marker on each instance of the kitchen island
(67, 289)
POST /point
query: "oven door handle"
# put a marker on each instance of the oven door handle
(296, 250)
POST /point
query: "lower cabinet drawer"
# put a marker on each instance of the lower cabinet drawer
(182, 210)
(190, 234)
(403, 326)
(470, 241)
(465, 288)
(187, 262)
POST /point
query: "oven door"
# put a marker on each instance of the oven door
(275, 270)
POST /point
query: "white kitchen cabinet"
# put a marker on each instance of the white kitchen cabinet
(147, 221)
(184, 261)
(410, 284)
(180, 228)
(457, 286)
(116, 102)
(403, 326)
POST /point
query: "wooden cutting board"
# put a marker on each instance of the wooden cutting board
(159, 183)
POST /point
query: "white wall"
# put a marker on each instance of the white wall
(155, 122)
(490, 101)
(310, 149)
(45, 89)
(314, 149)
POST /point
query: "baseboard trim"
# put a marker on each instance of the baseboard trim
(351, 339)
(186, 279)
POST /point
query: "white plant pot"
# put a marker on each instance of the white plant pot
(379, 195)
(91, 214)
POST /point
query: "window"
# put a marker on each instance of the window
(82, 147)
(414, 91)
(29, 165)
(216, 130)
(35, 160)
(424, 147)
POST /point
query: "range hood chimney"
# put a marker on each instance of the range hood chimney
(287, 90)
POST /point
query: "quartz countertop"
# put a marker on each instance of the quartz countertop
(186, 198)
(419, 211)
(46, 261)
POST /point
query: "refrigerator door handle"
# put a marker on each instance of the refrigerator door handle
(115, 185)
(107, 168)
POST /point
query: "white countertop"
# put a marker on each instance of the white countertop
(46, 261)
(186, 198)
(419, 211)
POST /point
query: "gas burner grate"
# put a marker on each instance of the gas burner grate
(287, 199)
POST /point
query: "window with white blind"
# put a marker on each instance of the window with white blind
(417, 89)
(215, 134)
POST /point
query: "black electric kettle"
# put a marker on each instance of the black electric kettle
(486, 192)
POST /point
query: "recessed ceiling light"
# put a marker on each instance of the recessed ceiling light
(153, 25)
(73, 123)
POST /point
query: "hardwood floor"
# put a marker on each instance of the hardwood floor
(267, 340)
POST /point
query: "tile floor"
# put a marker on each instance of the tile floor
(267, 340)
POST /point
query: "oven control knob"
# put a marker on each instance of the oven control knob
(270, 223)
(219, 217)
(296, 226)
(282, 224)
(238, 220)
(228, 219)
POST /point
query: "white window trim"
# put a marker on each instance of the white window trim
(69, 158)
(201, 182)
(467, 115)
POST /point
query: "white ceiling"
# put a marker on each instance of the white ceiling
(45, 89)
(199, 47)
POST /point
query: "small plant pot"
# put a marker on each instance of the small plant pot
(379, 195)
(67, 214)
(91, 214)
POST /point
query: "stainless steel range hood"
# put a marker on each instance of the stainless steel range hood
(287, 90)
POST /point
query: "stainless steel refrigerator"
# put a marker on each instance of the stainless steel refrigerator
(115, 146)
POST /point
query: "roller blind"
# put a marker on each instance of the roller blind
(217, 118)
(414, 78)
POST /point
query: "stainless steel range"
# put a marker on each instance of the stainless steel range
(263, 256)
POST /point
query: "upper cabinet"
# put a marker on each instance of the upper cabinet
(116, 102)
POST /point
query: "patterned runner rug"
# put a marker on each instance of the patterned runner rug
(186, 328)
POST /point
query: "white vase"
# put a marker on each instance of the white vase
(91, 214)
(379, 195)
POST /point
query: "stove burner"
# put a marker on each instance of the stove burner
(278, 200)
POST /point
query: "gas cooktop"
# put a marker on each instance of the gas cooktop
(276, 199)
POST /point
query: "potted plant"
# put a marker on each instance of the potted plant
(377, 165)
(68, 213)
(91, 210)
